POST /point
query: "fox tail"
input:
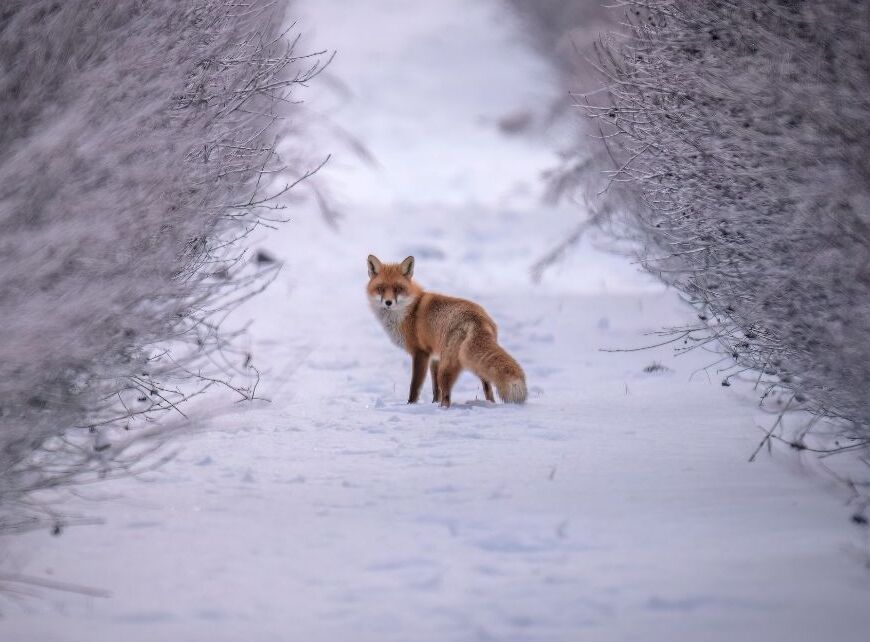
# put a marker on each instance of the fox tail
(491, 362)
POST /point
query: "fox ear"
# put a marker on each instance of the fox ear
(407, 267)
(374, 265)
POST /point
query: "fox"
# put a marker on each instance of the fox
(443, 334)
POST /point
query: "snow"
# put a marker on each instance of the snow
(616, 505)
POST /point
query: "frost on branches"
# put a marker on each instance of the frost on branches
(136, 144)
(743, 128)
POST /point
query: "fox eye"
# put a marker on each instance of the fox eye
(380, 289)
(398, 290)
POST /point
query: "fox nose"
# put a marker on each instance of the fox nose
(388, 303)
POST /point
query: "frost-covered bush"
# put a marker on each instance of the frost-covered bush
(566, 31)
(135, 145)
(743, 128)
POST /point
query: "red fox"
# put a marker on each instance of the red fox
(453, 333)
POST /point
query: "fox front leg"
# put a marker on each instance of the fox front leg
(418, 375)
(447, 376)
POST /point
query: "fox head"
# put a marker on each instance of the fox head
(390, 284)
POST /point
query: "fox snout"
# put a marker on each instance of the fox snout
(388, 301)
(394, 303)
(385, 301)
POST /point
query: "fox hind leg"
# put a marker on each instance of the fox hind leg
(487, 390)
(448, 373)
(433, 369)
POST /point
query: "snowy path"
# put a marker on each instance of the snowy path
(616, 505)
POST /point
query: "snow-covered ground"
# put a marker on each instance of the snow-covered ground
(616, 505)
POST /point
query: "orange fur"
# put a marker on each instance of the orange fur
(454, 333)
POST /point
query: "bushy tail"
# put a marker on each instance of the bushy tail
(491, 362)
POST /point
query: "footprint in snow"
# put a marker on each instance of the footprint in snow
(505, 543)
(138, 525)
(145, 617)
(401, 564)
(430, 252)
(334, 364)
(692, 603)
(545, 371)
(433, 490)
(541, 338)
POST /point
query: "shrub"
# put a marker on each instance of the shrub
(734, 136)
(135, 146)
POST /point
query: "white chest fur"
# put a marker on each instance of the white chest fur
(391, 319)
